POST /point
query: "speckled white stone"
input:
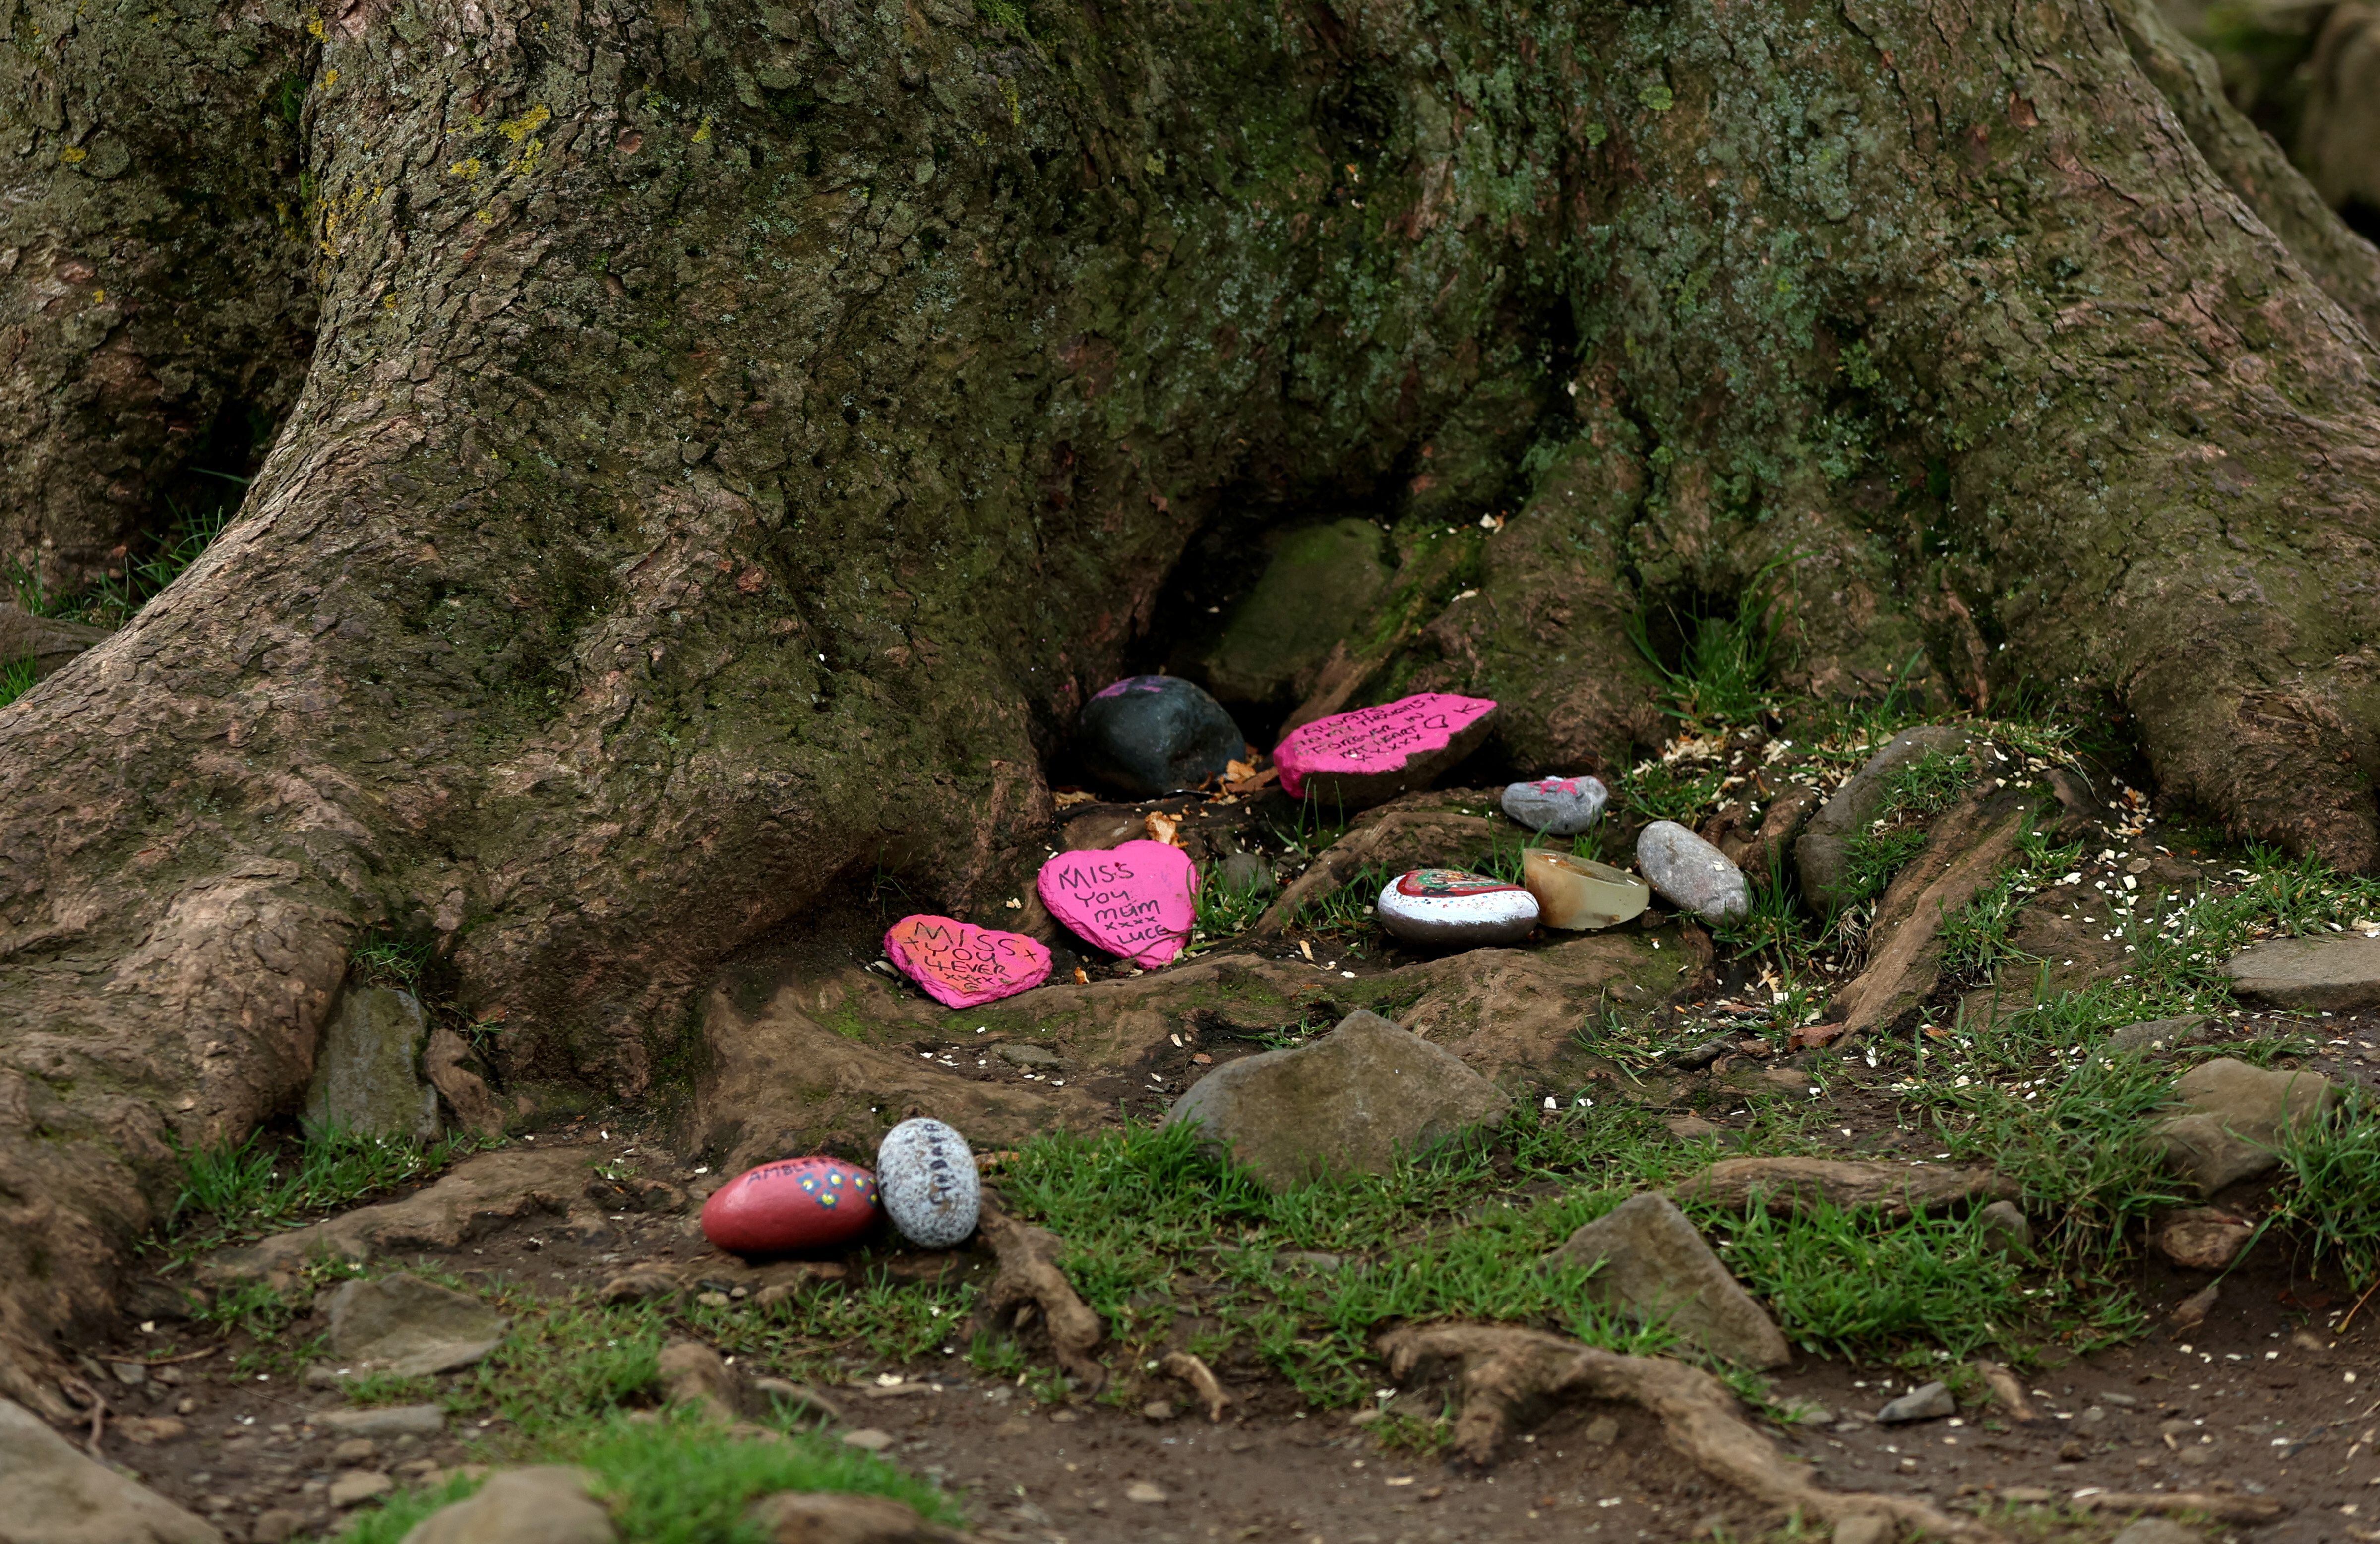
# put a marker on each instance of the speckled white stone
(1558, 806)
(1691, 875)
(926, 1182)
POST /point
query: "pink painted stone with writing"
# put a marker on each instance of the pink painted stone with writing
(960, 964)
(1373, 754)
(1132, 899)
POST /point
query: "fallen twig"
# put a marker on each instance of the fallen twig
(1509, 1375)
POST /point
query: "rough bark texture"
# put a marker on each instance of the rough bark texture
(738, 437)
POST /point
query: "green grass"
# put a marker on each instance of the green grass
(111, 600)
(257, 1185)
(2333, 1196)
(680, 1479)
(16, 679)
(1725, 671)
(1842, 1283)
(1223, 910)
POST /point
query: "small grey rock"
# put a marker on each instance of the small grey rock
(1040, 1058)
(547, 1503)
(2157, 1530)
(2161, 1035)
(1654, 1266)
(1691, 875)
(1930, 1402)
(1347, 1102)
(1866, 1527)
(391, 1420)
(2005, 1228)
(412, 1328)
(1558, 806)
(368, 1072)
(868, 1439)
(1246, 873)
(825, 1518)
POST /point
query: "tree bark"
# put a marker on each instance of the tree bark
(735, 438)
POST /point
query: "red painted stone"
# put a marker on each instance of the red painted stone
(960, 964)
(1373, 754)
(794, 1203)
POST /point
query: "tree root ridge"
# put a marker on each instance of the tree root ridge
(1511, 1377)
(1029, 1279)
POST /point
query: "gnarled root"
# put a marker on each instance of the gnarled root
(1511, 1376)
(1029, 1277)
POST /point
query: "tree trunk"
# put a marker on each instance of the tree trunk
(735, 440)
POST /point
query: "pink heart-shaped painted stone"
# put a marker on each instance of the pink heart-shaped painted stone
(1378, 739)
(960, 964)
(1132, 899)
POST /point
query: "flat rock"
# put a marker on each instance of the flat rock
(51, 1493)
(477, 1195)
(2233, 1116)
(1654, 1266)
(387, 1420)
(367, 1077)
(1894, 1188)
(1449, 909)
(2204, 1237)
(1691, 875)
(1346, 1103)
(2152, 1035)
(1558, 806)
(2157, 1530)
(547, 1503)
(402, 1324)
(1822, 849)
(1931, 1402)
(1149, 735)
(1866, 1527)
(2334, 972)
(1352, 761)
(796, 1517)
(359, 1486)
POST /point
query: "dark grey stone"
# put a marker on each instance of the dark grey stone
(1691, 875)
(1149, 735)
(1930, 1402)
(1558, 806)
(412, 1328)
(2332, 972)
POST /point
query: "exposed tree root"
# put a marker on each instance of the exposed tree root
(1201, 1378)
(1029, 1278)
(1968, 848)
(1510, 1376)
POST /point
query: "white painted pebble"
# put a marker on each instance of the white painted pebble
(1445, 907)
(926, 1182)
